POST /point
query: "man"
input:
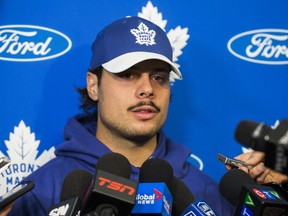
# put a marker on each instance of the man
(126, 103)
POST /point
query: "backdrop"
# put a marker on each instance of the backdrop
(233, 56)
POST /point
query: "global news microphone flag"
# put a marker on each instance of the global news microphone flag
(154, 190)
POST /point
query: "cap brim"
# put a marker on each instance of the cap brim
(125, 61)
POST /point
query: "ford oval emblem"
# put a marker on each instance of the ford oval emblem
(26, 43)
(263, 46)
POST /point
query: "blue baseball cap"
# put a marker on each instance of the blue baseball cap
(128, 41)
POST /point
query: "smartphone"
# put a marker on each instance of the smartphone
(22, 188)
(232, 161)
(5, 162)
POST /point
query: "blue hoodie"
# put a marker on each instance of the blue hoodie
(81, 150)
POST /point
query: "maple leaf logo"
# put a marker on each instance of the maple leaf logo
(144, 35)
(22, 150)
(178, 37)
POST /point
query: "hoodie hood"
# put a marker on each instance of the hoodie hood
(80, 143)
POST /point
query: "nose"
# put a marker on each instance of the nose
(145, 88)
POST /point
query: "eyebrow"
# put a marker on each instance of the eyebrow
(159, 68)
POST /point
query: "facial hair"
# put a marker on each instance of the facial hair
(122, 129)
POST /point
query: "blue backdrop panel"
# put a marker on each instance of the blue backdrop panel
(45, 53)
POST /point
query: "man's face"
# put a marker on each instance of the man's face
(134, 104)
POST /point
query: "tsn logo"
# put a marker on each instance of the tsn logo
(116, 186)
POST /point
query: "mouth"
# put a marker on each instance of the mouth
(144, 109)
(145, 106)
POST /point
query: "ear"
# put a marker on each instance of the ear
(92, 86)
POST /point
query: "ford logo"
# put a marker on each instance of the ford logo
(28, 43)
(263, 46)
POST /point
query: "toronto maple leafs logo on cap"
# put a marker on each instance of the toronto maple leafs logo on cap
(116, 48)
(144, 35)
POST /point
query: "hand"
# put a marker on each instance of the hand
(259, 172)
(7, 209)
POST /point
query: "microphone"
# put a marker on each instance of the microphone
(17, 191)
(251, 134)
(182, 196)
(185, 204)
(111, 193)
(153, 195)
(249, 198)
(73, 190)
(273, 142)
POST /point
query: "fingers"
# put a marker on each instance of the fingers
(278, 177)
(245, 169)
(255, 159)
(259, 172)
(252, 158)
(228, 167)
(7, 209)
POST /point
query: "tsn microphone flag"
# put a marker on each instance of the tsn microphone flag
(199, 208)
(256, 200)
(112, 191)
(153, 198)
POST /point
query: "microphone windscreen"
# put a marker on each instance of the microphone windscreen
(231, 183)
(116, 164)
(75, 184)
(156, 170)
(182, 196)
(250, 134)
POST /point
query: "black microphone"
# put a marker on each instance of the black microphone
(153, 195)
(251, 134)
(182, 196)
(73, 190)
(249, 198)
(112, 193)
(185, 204)
(273, 142)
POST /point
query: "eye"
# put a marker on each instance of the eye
(161, 78)
(127, 75)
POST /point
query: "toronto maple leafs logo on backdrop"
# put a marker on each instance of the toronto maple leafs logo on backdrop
(22, 150)
(178, 37)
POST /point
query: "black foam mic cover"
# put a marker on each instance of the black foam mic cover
(75, 184)
(252, 134)
(156, 170)
(231, 184)
(182, 196)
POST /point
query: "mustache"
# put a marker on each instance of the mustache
(143, 103)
